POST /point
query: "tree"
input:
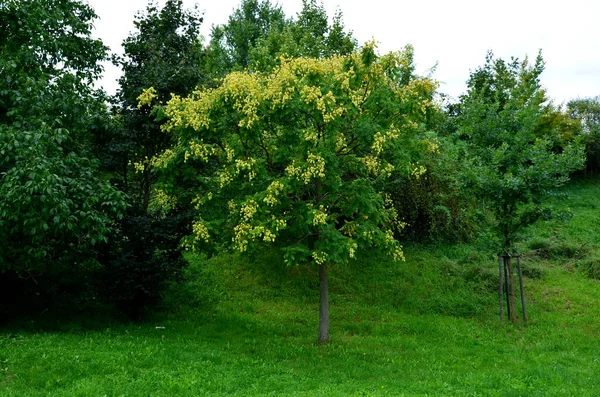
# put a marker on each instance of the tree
(298, 157)
(54, 208)
(258, 34)
(232, 44)
(587, 112)
(516, 159)
(165, 53)
(311, 35)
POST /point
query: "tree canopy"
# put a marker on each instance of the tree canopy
(516, 158)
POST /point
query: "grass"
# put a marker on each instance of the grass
(428, 327)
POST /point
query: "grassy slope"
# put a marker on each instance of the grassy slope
(426, 327)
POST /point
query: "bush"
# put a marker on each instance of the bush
(143, 258)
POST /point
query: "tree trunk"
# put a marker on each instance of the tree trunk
(324, 305)
(146, 186)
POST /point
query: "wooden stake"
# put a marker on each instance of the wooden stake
(511, 291)
(522, 289)
(506, 290)
(500, 292)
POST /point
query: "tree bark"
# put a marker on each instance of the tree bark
(324, 305)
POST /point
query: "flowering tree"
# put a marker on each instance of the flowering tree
(298, 157)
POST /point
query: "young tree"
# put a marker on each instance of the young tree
(298, 157)
(516, 159)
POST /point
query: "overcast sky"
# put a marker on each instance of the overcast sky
(455, 34)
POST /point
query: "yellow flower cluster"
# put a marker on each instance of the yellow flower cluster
(232, 207)
(315, 168)
(417, 170)
(199, 150)
(200, 231)
(246, 165)
(274, 189)
(279, 224)
(248, 210)
(352, 249)
(392, 245)
(199, 201)
(161, 201)
(225, 178)
(230, 153)
(164, 159)
(387, 170)
(140, 166)
(319, 257)
(319, 216)
(311, 136)
(146, 97)
(247, 94)
(433, 145)
(244, 233)
(398, 254)
(192, 111)
(349, 229)
(381, 140)
(372, 163)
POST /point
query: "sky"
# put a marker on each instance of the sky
(451, 35)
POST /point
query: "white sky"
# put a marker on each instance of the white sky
(455, 34)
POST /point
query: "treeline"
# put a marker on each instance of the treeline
(277, 131)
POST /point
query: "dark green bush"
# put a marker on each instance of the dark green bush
(143, 258)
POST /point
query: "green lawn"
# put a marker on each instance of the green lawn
(428, 327)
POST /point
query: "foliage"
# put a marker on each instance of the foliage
(164, 53)
(312, 180)
(54, 207)
(231, 45)
(311, 35)
(257, 35)
(144, 255)
(433, 206)
(516, 159)
(587, 111)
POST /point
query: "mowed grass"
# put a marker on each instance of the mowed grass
(427, 327)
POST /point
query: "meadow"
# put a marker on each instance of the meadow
(426, 327)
